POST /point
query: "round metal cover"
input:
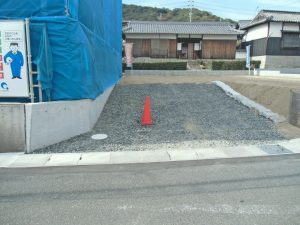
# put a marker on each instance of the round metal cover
(99, 136)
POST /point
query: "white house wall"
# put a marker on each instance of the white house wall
(258, 32)
(291, 26)
(219, 37)
(275, 29)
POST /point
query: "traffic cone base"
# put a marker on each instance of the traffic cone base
(146, 117)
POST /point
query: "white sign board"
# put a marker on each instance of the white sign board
(179, 46)
(197, 47)
(13, 60)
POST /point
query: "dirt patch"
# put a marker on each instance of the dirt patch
(275, 98)
(289, 131)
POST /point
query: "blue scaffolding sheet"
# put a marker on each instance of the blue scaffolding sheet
(76, 45)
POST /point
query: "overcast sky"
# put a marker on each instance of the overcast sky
(233, 9)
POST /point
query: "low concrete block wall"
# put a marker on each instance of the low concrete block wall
(28, 127)
(278, 62)
(12, 128)
(51, 123)
(97, 106)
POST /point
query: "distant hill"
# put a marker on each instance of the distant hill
(135, 12)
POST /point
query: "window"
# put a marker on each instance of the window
(290, 40)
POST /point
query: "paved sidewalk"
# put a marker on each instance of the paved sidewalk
(20, 160)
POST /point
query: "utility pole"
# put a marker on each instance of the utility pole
(191, 6)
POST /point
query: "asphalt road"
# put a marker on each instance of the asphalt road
(264, 191)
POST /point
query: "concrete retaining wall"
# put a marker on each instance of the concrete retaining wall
(186, 72)
(50, 123)
(284, 72)
(12, 127)
(34, 126)
(282, 62)
(278, 62)
(262, 60)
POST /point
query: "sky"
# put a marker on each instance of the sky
(233, 9)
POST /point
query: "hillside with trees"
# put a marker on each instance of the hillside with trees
(135, 12)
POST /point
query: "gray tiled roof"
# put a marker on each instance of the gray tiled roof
(243, 23)
(275, 16)
(150, 27)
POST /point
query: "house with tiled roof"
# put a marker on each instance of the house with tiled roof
(242, 23)
(196, 40)
(274, 37)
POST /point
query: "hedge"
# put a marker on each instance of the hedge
(233, 65)
(160, 66)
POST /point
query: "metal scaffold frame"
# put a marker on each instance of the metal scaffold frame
(30, 71)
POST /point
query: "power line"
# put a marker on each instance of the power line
(191, 6)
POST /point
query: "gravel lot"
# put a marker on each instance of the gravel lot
(185, 116)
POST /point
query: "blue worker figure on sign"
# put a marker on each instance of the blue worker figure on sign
(15, 59)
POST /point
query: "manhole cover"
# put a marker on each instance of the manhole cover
(99, 136)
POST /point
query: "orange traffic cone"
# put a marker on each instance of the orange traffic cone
(146, 117)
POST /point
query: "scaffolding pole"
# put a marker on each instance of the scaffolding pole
(31, 73)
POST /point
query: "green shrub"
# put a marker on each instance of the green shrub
(160, 66)
(233, 65)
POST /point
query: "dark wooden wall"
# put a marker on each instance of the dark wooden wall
(271, 46)
(172, 48)
(218, 49)
(146, 48)
(211, 49)
(141, 48)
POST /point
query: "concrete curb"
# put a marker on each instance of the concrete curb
(20, 160)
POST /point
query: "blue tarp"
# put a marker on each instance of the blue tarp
(76, 45)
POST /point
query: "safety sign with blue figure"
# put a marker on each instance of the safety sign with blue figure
(13, 61)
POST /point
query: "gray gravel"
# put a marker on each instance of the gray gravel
(185, 116)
